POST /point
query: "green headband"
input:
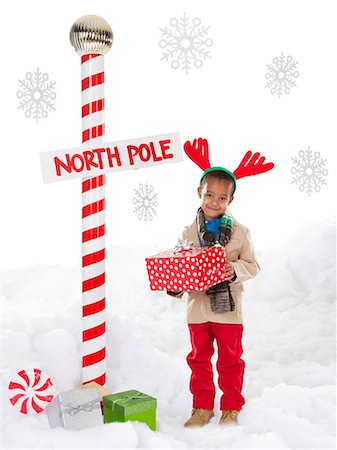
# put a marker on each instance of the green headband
(213, 169)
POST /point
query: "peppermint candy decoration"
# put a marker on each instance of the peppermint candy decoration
(31, 390)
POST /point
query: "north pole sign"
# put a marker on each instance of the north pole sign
(92, 37)
(89, 161)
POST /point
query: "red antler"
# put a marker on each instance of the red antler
(198, 152)
(252, 165)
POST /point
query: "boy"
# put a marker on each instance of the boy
(217, 312)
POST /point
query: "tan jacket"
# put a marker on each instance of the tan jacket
(240, 252)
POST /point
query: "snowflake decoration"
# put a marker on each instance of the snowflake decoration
(281, 75)
(145, 202)
(185, 43)
(308, 171)
(36, 95)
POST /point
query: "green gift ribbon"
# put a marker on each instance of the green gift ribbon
(125, 400)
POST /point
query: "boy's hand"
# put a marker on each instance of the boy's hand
(174, 294)
(229, 271)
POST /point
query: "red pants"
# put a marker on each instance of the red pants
(229, 365)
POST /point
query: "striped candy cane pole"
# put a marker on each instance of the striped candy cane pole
(92, 38)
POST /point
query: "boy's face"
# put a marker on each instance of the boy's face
(216, 195)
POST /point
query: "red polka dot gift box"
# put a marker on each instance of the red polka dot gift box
(195, 269)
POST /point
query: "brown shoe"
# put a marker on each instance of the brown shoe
(229, 416)
(199, 417)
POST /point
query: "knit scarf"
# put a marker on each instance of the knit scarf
(220, 295)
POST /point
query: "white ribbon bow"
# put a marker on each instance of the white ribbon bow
(183, 245)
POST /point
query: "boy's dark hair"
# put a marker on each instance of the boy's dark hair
(220, 174)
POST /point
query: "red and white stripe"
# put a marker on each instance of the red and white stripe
(30, 391)
(93, 226)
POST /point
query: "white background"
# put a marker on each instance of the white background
(289, 309)
(225, 101)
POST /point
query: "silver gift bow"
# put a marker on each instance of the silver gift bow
(183, 245)
(70, 409)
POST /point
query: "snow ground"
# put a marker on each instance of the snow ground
(289, 349)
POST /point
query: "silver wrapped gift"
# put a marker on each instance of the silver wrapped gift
(75, 409)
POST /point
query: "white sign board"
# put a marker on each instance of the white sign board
(89, 161)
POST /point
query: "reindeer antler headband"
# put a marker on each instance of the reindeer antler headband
(251, 164)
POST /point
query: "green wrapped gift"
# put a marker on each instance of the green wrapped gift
(130, 405)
